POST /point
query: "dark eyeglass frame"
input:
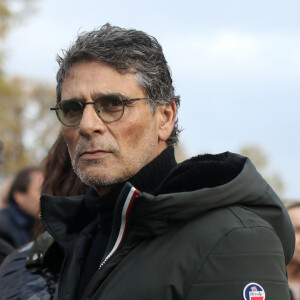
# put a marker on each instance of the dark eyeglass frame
(83, 105)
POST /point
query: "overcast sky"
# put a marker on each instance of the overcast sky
(236, 65)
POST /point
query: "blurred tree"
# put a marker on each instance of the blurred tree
(260, 160)
(12, 11)
(41, 124)
(27, 128)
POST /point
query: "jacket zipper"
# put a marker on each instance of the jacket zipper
(99, 269)
(104, 261)
(121, 234)
(133, 194)
(60, 278)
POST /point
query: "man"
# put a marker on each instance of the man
(208, 228)
(17, 219)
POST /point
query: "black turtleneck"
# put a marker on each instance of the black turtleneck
(146, 180)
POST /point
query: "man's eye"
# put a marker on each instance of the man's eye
(110, 102)
(70, 106)
(114, 102)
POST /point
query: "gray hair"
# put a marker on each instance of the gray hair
(125, 50)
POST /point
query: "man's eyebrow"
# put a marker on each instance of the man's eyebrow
(73, 98)
(97, 95)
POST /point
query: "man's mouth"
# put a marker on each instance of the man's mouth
(93, 154)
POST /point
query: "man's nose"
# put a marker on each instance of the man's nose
(91, 122)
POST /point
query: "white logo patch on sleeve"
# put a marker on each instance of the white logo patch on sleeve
(254, 291)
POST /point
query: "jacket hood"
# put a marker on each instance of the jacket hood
(223, 180)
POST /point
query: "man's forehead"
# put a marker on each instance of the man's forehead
(98, 79)
(124, 70)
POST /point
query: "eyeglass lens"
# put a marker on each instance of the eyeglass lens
(109, 108)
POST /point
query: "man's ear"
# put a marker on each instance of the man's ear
(167, 116)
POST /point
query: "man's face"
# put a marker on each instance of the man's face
(105, 154)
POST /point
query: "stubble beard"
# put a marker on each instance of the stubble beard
(82, 168)
(94, 179)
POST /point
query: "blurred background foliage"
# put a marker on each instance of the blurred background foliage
(261, 162)
(12, 12)
(27, 129)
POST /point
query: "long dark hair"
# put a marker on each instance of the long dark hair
(59, 177)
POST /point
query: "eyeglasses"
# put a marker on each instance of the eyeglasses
(109, 108)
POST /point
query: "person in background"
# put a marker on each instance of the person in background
(17, 219)
(293, 268)
(208, 228)
(5, 187)
(32, 271)
(5, 247)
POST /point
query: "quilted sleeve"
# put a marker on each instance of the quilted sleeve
(246, 263)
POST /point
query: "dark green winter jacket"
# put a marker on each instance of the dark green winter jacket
(229, 241)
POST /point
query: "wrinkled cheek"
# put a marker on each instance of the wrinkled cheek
(135, 140)
(130, 136)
